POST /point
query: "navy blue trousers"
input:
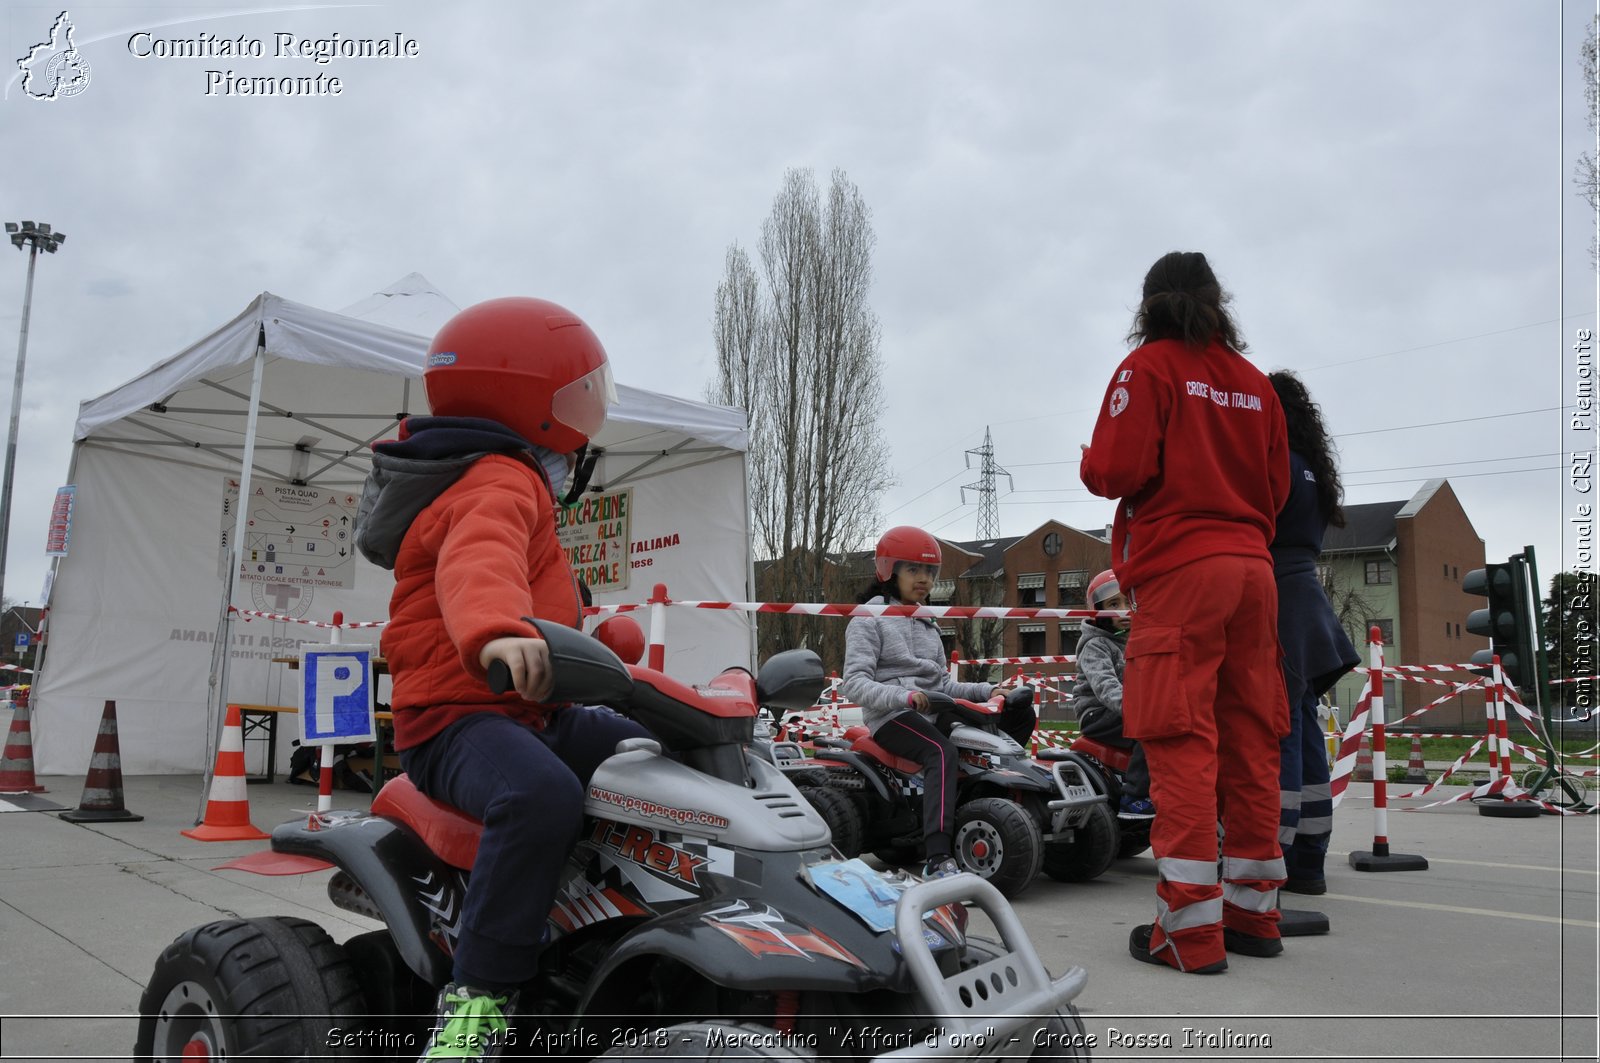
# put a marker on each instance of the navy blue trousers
(1305, 796)
(527, 787)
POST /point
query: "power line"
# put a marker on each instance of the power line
(1443, 343)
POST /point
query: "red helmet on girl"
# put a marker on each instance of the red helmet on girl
(1102, 589)
(905, 543)
(529, 364)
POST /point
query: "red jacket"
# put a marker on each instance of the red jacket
(1193, 444)
(478, 559)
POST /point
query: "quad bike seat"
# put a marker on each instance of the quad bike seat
(868, 748)
(450, 833)
(1113, 757)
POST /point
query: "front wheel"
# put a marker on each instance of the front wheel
(996, 840)
(270, 987)
(1089, 853)
(708, 1040)
(841, 815)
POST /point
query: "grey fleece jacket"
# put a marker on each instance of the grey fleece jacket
(887, 657)
(1099, 684)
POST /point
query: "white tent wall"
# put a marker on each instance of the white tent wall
(134, 610)
(135, 604)
(696, 517)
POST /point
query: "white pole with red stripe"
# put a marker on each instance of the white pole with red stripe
(658, 600)
(325, 780)
(1380, 858)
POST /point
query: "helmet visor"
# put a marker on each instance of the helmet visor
(581, 405)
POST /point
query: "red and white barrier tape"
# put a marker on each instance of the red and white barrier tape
(279, 618)
(1460, 763)
(1057, 659)
(956, 612)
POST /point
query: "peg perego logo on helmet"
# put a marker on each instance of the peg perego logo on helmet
(442, 358)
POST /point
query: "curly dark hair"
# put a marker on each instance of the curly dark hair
(1183, 300)
(1308, 437)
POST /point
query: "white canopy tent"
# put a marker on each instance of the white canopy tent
(135, 607)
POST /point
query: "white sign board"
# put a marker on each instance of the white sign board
(302, 536)
(337, 701)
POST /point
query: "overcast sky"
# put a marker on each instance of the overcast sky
(1381, 185)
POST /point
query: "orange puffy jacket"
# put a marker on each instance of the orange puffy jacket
(473, 563)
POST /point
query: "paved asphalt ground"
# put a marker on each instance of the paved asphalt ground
(1490, 954)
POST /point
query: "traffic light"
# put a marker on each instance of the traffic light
(1506, 622)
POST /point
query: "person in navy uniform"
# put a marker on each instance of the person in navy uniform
(1316, 650)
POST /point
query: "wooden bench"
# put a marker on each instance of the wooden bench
(254, 719)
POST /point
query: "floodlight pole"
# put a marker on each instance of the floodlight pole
(32, 236)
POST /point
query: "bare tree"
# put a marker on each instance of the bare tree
(797, 347)
(1587, 177)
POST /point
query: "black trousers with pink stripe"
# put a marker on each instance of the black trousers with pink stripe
(912, 735)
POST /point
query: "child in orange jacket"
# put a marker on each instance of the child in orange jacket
(462, 508)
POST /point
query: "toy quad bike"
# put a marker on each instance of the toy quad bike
(1104, 766)
(703, 913)
(1013, 814)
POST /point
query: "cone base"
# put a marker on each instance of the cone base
(207, 832)
(1369, 861)
(1301, 922)
(100, 815)
(33, 789)
(1510, 810)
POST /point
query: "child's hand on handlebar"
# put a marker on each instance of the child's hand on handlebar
(528, 661)
(919, 701)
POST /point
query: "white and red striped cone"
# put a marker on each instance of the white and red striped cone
(1416, 770)
(1363, 772)
(228, 804)
(102, 800)
(16, 765)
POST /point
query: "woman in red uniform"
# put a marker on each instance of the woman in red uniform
(1191, 442)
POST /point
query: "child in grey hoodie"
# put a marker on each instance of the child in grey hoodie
(1097, 694)
(889, 663)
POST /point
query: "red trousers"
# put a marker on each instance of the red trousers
(1203, 691)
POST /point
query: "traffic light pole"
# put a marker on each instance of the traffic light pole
(1545, 703)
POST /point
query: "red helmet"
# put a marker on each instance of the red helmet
(905, 543)
(1102, 589)
(529, 364)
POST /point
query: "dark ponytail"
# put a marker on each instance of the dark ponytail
(1184, 301)
(887, 589)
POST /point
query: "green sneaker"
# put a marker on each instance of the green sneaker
(471, 1025)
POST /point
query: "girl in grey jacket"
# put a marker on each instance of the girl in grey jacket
(889, 663)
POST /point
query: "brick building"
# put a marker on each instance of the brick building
(1398, 565)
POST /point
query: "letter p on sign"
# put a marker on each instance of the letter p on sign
(338, 697)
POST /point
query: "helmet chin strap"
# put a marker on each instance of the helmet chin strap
(583, 462)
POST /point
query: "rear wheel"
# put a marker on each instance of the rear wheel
(270, 987)
(841, 815)
(1089, 853)
(996, 840)
(1132, 841)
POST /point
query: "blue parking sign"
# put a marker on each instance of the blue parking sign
(337, 700)
(22, 640)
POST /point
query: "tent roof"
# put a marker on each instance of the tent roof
(193, 407)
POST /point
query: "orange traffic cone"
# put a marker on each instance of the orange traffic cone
(228, 805)
(16, 764)
(1416, 769)
(102, 790)
(1363, 772)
